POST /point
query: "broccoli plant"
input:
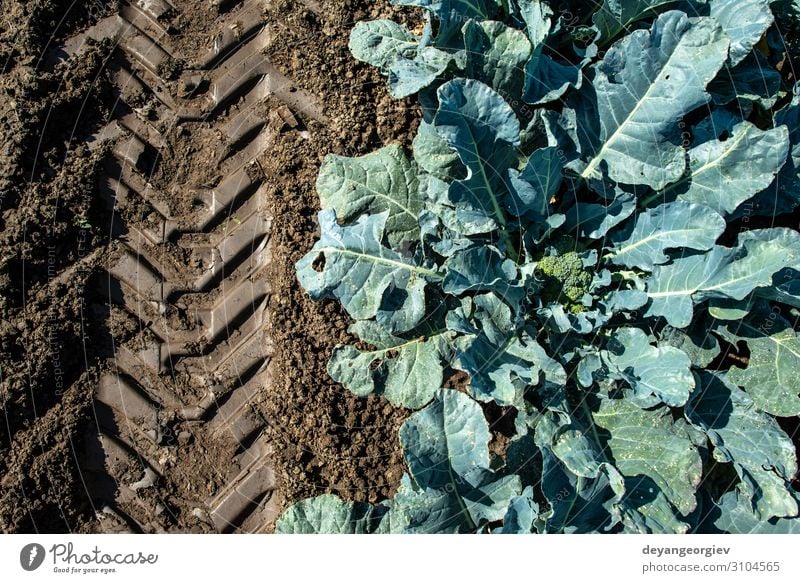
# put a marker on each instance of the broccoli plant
(595, 225)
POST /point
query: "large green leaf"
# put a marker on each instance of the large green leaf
(771, 377)
(532, 189)
(648, 459)
(328, 514)
(650, 449)
(350, 264)
(478, 124)
(751, 440)
(669, 226)
(433, 155)
(786, 196)
(446, 448)
(380, 42)
(722, 272)
(737, 517)
(410, 76)
(616, 16)
(660, 371)
(497, 55)
(384, 181)
(446, 441)
(744, 21)
(643, 86)
(724, 174)
(408, 372)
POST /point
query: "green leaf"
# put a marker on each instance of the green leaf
(596, 220)
(578, 504)
(452, 14)
(647, 459)
(358, 270)
(478, 9)
(478, 124)
(447, 439)
(501, 372)
(532, 189)
(479, 269)
(521, 516)
(643, 86)
(537, 18)
(753, 81)
(649, 448)
(752, 441)
(698, 343)
(723, 309)
(669, 226)
(415, 510)
(724, 174)
(616, 16)
(785, 288)
(737, 517)
(446, 448)
(662, 371)
(722, 272)
(433, 155)
(744, 21)
(384, 181)
(329, 514)
(547, 79)
(771, 377)
(786, 196)
(497, 55)
(501, 361)
(408, 372)
(380, 42)
(410, 76)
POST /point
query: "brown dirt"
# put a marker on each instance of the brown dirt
(331, 440)
(48, 230)
(57, 333)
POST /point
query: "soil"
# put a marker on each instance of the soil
(332, 441)
(49, 227)
(59, 333)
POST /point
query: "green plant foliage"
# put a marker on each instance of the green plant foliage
(575, 230)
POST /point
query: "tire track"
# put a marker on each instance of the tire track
(187, 270)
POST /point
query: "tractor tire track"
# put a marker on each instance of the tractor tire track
(187, 271)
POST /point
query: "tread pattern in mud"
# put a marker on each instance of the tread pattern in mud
(186, 281)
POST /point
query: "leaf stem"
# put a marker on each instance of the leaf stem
(590, 420)
(655, 196)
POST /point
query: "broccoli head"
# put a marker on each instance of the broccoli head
(566, 280)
